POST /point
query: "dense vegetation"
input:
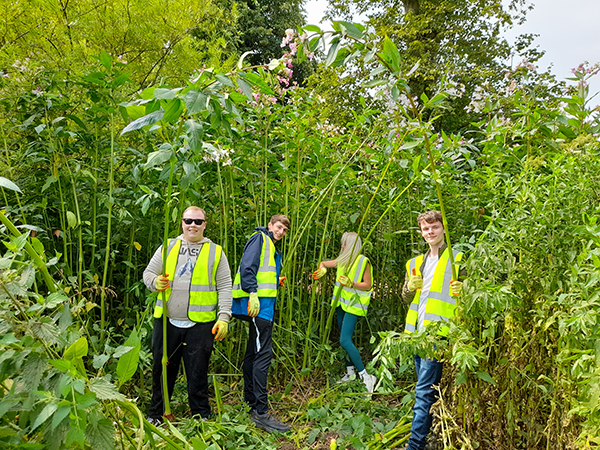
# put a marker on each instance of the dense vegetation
(92, 174)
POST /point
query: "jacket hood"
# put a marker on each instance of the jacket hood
(264, 230)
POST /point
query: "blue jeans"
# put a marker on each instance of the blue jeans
(429, 372)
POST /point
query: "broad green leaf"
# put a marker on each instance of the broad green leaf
(245, 87)
(106, 60)
(99, 361)
(128, 364)
(195, 133)
(410, 144)
(105, 390)
(351, 29)
(149, 119)
(391, 54)
(6, 183)
(61, 364)
(77, 350)
(165, 94)
(258, 82)
(195, 101)
(224, 80)
(485, 377)
(158, 157)
(332, 54)
(173, 110)
(75, 435)
(312, 28)
(71, 219)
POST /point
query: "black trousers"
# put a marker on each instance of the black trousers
(195, 346)
(259, 353)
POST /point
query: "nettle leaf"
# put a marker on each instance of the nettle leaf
(105, 390)
(61, 413)
(48, 332)
(77, 350)
(148, 119)
(33, 370)
(55, 299)
(99, 361)
(6, 183)
(101, 434)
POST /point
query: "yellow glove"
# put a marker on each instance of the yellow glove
(282, 281)
(253, 305)
(415, 282)
(345, 281)
(161, 283)
(220, 329)
(319, 273)
(456, 287)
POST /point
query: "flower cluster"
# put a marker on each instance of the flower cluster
(293, 42)
(329, 129)
(218, 154)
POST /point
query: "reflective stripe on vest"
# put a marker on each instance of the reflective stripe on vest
(440, 305)
(204, 297)
(354, 301)
(266, 277)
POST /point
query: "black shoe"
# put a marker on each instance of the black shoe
(268, 422)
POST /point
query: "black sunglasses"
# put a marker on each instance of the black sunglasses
(190, 221)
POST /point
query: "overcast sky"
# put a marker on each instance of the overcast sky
(569, 32)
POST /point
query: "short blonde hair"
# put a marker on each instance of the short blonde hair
(195, 208)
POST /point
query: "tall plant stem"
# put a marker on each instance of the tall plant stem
(438, 189)
(31, 252)
(79, 237)
(108, 227)
(9, 165)
(314, 285)
(165, 356)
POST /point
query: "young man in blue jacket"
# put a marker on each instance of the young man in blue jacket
(254, 299)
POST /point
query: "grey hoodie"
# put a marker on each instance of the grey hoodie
(180, 286)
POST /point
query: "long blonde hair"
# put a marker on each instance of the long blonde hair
(351, 247)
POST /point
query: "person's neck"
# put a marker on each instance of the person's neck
(434, 250)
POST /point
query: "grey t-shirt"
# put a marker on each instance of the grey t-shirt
(180, 286)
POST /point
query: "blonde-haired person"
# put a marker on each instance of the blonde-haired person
(355, 277)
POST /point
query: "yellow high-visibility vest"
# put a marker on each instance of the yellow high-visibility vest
(354, 301)
(203, 287)
(440, 304)
(266, 277)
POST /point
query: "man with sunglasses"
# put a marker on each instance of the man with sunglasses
(255, 296)
(197, 285)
